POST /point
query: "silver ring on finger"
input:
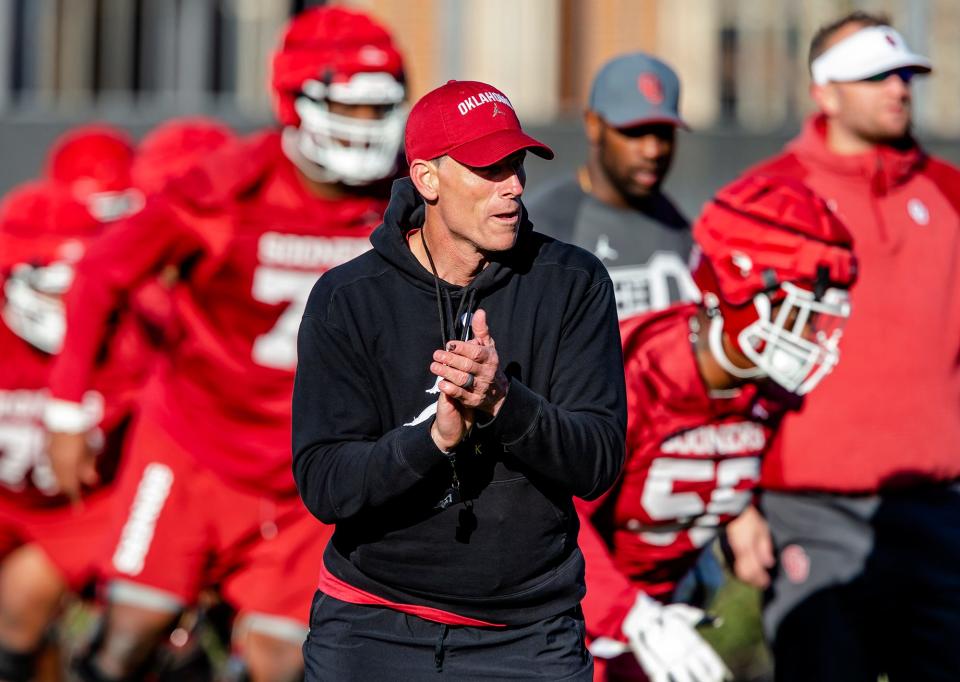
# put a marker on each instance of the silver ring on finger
(468, 384)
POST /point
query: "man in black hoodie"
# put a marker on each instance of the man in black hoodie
(457, 386)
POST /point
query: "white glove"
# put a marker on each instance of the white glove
(667, 645)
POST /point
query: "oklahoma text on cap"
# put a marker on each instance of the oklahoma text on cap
(472, 122)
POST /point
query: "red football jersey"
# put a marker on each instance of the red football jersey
(25, 472)
(44, 227)
(249, 241)
(693, 459)
(24, 468)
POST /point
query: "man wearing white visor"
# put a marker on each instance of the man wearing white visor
(866, 54)
(857, 533)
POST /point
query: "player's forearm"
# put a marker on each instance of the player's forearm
(114, 265)
(88, 307)
(609, 592)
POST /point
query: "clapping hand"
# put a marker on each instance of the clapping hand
(471, 379)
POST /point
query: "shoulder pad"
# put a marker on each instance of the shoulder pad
(941, 169)
(230, 172)
(41, 207)
(25, 204)
(637, 331)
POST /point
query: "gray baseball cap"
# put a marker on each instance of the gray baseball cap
(634, 89)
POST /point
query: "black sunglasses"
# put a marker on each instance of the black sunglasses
(905, 73)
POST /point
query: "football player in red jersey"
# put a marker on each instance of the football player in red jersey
(47, 545)
(706, 386)
(102, 170)
(166, 152)
(207, 496)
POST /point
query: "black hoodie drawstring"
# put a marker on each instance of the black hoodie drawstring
(436, 284)
(449, 320)
(438, 649)
(464, 315)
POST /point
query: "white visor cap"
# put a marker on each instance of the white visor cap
(866, 53)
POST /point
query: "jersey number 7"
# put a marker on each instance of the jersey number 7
(278, 347)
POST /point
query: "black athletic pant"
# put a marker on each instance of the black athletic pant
(369, 643)
(865, 585)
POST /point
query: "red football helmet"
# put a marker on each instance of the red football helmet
(774, 263)
(174, 146)
(333, 54)
(93, 162)
(43, 232)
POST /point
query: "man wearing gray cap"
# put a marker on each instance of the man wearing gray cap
(614, 205)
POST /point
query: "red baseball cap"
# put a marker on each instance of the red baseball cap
(472, 122)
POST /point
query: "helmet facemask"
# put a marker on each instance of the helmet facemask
(774, 265)
(33, 307)
(793, 341)
(347, 149)
(110, 206)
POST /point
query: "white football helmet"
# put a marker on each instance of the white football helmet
(332, 54)
(796, 345)
(774, 264)
(33, 307)
(347, 149)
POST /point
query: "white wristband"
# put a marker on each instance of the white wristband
(65, 416)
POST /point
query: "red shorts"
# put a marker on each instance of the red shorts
(72, 537)
(180, 528)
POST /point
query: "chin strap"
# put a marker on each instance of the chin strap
(290, 144)
(715, 339)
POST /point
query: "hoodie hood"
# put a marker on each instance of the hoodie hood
(885, 166)
(406, 211)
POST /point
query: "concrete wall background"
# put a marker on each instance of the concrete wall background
(704, 161)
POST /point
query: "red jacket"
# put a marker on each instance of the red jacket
(889, 414)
